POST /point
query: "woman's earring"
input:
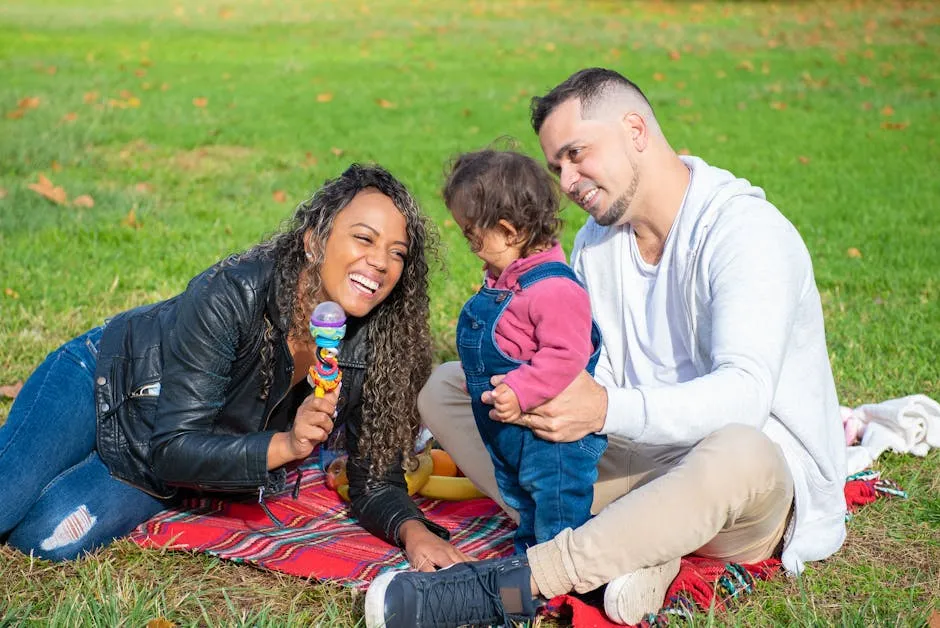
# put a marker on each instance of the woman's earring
(309, 255)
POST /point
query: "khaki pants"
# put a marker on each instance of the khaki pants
(727, 497)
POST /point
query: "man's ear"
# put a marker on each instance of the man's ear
(637, 133)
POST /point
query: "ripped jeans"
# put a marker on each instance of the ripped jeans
(57, 498)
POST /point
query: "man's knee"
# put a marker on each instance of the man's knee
(743, 450)
(445, 385)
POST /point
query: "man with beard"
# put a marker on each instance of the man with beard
(714, 384)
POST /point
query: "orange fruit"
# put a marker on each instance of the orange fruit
(443, 463)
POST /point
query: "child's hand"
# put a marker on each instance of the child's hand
(505, 404)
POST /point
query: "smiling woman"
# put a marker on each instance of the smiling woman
(207, 390)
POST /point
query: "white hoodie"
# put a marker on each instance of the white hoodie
(755, 326)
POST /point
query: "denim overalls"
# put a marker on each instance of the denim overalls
(551, 485)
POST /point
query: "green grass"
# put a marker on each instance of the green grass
(831, 108)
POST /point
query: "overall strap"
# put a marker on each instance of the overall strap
(546, 271)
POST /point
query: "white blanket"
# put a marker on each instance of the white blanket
(906, 425)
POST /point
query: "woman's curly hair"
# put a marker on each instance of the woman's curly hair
(397, 327)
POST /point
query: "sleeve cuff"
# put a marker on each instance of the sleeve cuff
(626, 413)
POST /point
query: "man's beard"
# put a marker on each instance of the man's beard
(620, 206)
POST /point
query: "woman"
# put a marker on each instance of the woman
(207, 390)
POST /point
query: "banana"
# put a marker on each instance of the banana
(449, 488)
(337, 480)
(419, 476)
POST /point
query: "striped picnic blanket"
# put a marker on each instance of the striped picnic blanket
(320, 539)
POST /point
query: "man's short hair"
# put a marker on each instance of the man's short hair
(589, 86)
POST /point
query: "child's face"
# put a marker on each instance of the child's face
(494, 246)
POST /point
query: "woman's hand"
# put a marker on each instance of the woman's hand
(425, 550)
(312, 425)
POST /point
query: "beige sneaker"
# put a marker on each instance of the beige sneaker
(630, 597)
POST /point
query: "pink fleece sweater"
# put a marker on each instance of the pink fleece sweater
(547, 325)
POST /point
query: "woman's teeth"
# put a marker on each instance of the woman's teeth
(364, 281)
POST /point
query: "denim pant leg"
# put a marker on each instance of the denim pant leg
(560, 478)
(84, 508)
(50, 428)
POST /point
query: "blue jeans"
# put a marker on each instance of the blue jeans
(57, 498)
(550, 485)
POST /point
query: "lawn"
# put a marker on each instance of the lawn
(179, 131)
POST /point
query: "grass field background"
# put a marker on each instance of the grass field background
(181, 131)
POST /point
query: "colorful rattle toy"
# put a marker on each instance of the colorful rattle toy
(327, 326)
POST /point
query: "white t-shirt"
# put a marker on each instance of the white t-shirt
(654, 335)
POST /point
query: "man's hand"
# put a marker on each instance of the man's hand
(505, 404)
(579, 410)
(312, 425)
(425, 550)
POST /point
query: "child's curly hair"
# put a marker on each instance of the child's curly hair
(487, 186)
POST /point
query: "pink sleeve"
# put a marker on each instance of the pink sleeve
(561, 316)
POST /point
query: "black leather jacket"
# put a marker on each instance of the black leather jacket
(177, 390)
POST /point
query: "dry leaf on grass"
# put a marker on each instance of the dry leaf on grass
(279, 196)
(3, 193)
(45, 188)
(10, 292)
(10, 391)
(337, 151)
(384, 104)
(854, 253)
(324, 97)
(131, 220)
(200, 102)
(84, 200)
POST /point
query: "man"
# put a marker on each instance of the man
(714, 384)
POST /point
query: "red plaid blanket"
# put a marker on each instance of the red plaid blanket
(321, 541)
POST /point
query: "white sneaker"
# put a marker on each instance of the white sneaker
(630, 597)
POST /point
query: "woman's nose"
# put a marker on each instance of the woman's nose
(377, 259)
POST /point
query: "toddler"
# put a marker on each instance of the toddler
(530, 322)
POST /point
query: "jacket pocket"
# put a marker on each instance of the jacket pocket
(470, 332)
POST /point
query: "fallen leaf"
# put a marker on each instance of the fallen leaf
(133, 101)
(895, 126)
(448, 222)
(887, 110)
(140, 73)
(16, 114)
(225, 13)
(131, 219)
(10, 292)
(384, 104)
(746, 65)
(324, 97)
(854, 253)
(684, 151)
(311, 160)
(550, 47)
(143, 188)
(934, 621)
(864, 80)
(56, 166)
(83, 201)
(90, 97)
(674, 55)
(160, 622)
(803, 160)
(71, 116)
(45, 188)
(685, 102)
(779, 106)
(866, 106)
(10, 391)
(164, 87)
(29, 103)
(659, 76)
(279, 196)
(200, 102)
(3, 193)
(337, 151)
